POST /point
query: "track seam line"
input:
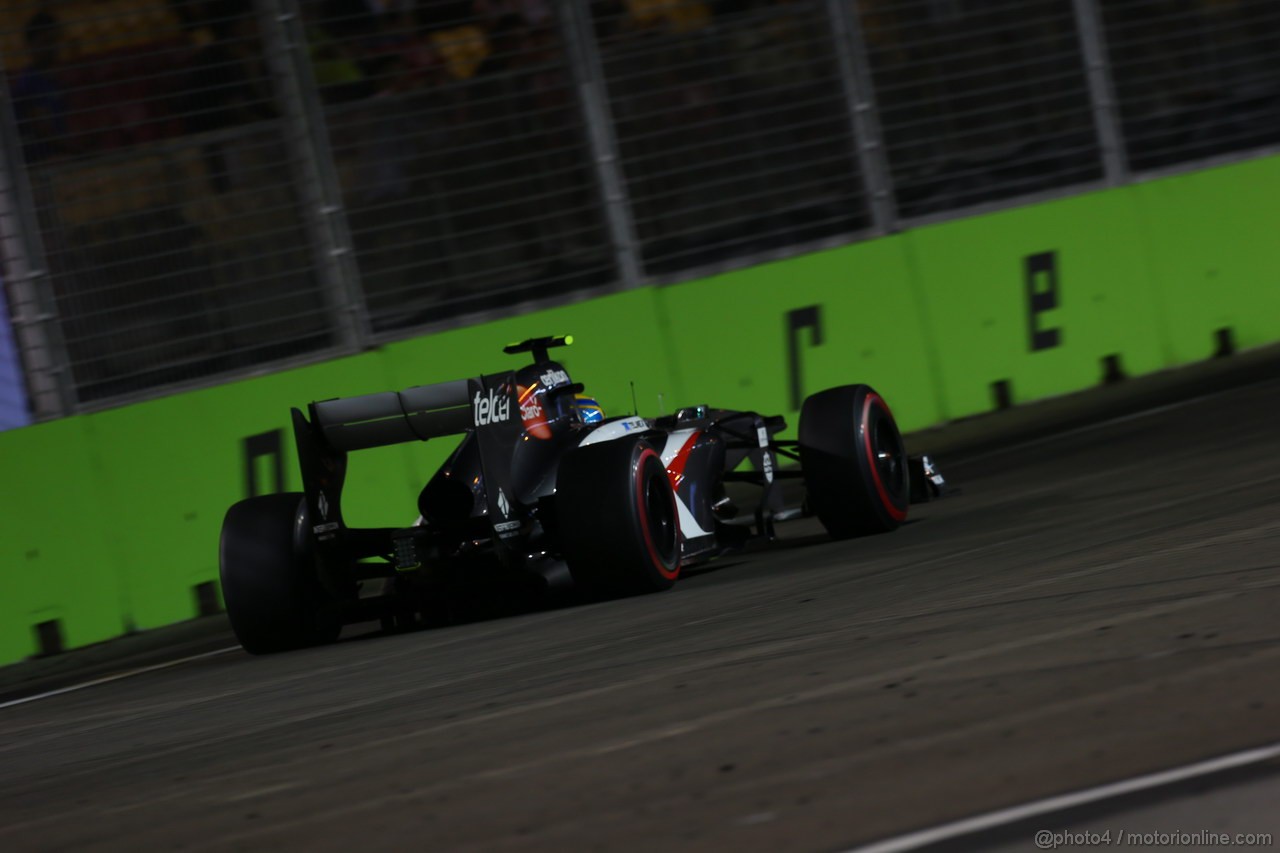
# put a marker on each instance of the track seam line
(826, 768)
(1061, 802)
(119, 676)
(691, 726)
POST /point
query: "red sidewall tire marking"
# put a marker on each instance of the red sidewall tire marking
(894, 513)
(642, 509)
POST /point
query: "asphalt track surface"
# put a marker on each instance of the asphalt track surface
(1092, 607)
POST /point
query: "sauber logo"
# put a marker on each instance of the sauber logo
(491, 409)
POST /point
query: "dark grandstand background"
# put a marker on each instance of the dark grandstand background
(198, 189)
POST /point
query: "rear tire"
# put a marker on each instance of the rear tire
(274, 600)
(854, 462)
(616, 515)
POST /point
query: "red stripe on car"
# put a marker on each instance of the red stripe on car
(675, 471)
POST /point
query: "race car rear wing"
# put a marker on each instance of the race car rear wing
(391, 417)
(339, 426)
(485, 405)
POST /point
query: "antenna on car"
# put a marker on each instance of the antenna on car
(662, 407)
(635, 407)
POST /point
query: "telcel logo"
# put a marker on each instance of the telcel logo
(491, 409)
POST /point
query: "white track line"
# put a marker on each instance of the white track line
(460, 638)
(107, 679)
(1004, 817)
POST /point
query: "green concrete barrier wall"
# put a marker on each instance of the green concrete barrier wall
(1213, 243)
(57, 563)
(1037, 298)
(110, 521)
(763, 337)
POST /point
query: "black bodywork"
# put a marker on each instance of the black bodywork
(491, 504)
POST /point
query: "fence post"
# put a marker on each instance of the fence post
(864, 119)
(33, 308)
(1102, 95)
(315, 175)
(583, 56)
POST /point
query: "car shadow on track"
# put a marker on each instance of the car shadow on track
(469, 605)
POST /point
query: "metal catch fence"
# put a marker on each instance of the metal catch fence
(193, 190)
(980, 101)
(732, 125)
(163, 201)
(464, 162)
(1194, 78)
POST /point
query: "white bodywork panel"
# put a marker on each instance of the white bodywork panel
(689, 526)
(675, 443)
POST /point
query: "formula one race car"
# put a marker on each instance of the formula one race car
(542, 482)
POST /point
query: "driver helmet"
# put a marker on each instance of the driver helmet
(587, 409)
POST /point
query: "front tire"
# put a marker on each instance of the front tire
(616, 514)
(274, 600)
(854, 462)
